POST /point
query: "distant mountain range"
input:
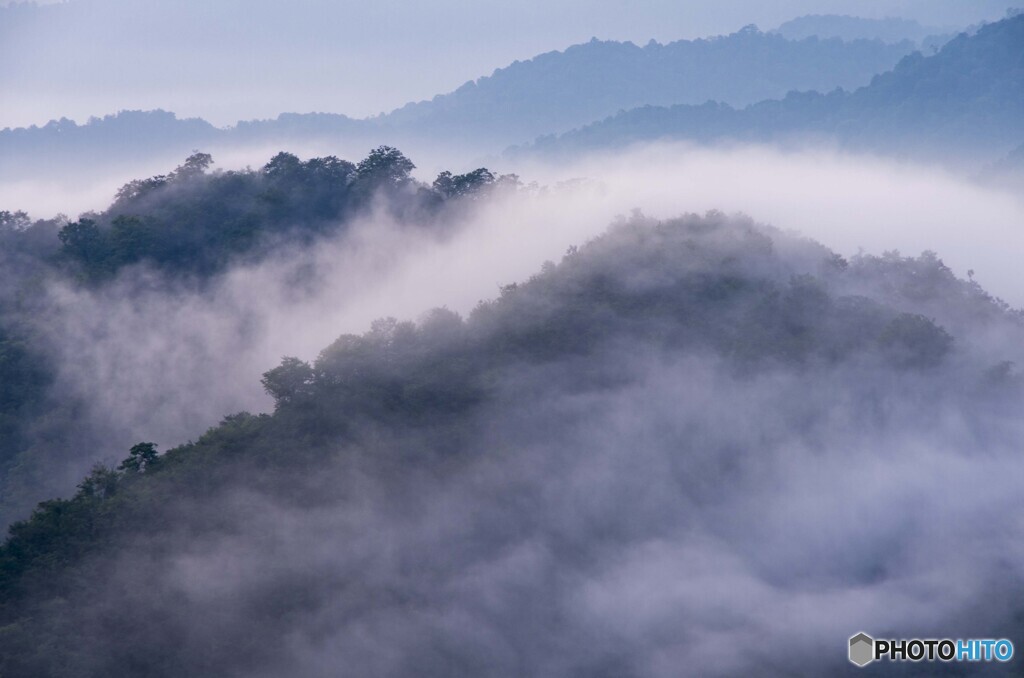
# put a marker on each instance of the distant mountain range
(890, 29)
(557, 91)
(553, 92)
(966, 101)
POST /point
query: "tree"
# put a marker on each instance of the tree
(330, 169)
(100, 483)
(385, 165)
(137, 188)
(140, 458)
(457, 185)
(82, 240)
(283, 167)
(914, 341)
(14, 221)
(129, 239)
(195, 165)
(287, 381)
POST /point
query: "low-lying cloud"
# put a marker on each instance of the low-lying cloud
(663, 515)
(163, 360)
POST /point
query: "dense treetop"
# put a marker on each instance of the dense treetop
(194, 220)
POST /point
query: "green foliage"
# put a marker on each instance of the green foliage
(913, 341)
(101, 482)
(459, 185)
(384, 165)
(14, 221)
(84, 241)
(288, 381)
(192, 221)
(194, 166)
(24, 380)
(195, 221)
(141, 458)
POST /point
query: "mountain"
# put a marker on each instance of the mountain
(561, 90)
(552, 92)
(824, 26)
(132, 141)
(62, 147)
(966, 101)
(520, 491)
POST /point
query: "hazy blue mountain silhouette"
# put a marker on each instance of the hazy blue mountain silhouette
(63, 147)
(823, 26)
(966, 101)
(553, 92)
(560, 90)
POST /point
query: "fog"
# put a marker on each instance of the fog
(234, 60)
(642, 508)
(667, 410)
(149, 354)
(625, 547)
(637, 509)
(846, 201)
(55, 190)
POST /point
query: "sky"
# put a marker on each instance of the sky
(237, 59)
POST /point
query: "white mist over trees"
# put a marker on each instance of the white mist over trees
(298, 408)
(701, 425)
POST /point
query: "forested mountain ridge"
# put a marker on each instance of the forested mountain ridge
(194, 221)
(185, 228)
(965, 101)
(406, 460)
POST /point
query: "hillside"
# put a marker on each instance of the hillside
(517, 491)
(965, 101)
(179, 232)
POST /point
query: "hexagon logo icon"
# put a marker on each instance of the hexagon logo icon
(862, 649)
